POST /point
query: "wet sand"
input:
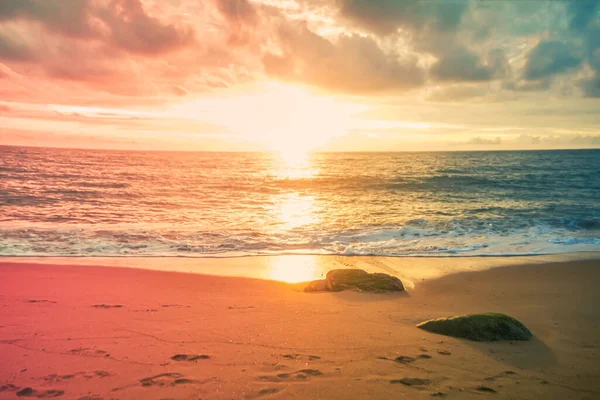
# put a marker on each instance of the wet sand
(88, 332)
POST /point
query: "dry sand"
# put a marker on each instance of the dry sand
(86, 332)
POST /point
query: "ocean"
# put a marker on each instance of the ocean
(63, 202)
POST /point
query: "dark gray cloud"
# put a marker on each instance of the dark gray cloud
(237, 10)
(591, 86)
(14, 49)
(585, 22)
(242, 18)
(353, 64)
(432, 27)
(386, 16)
(582, 13)
(130, 27)
(68, 17)
(460, 64)
(550, 58)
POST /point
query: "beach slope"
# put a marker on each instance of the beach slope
(87, 332)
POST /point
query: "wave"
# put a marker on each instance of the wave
(418, 237)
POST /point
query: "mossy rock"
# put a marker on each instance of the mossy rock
(338, 280)
(479, 327)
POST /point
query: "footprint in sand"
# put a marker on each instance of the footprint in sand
(169, 379)
(411, 381)
(165, 379)
(485, 389)
(107, 306)
(500, 375)
(54, 378)
(189, 357)
(267, 392)
(9, 387)
(300, 375)
(444, 352)
(30, 392)
(84, 351)
(174, 306)
(264, 392)
(407, 359)
(41, 301)
(91, 398)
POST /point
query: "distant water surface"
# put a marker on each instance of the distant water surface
(117, 203)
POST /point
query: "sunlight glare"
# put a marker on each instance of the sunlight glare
(284, 118)
(291, 164)
(295, 269)
(295, 211)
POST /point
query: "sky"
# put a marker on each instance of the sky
(300, 75)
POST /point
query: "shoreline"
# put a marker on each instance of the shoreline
(102, 332)
(303, 268)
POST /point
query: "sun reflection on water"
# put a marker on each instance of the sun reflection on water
(292, 164)
(295, 211)
(294, 208)
(294, 269)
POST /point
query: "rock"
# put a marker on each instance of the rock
(316, 286)
(342, 279)
(479, 327)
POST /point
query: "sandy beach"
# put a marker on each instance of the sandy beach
(109, 332)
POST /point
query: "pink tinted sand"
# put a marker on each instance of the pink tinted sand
(111, 333)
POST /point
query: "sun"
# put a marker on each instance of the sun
(284, 118)
(294, 121)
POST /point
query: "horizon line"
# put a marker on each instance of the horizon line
(310, 152)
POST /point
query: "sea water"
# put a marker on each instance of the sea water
(62, 202)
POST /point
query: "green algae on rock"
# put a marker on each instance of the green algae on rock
(338, 280)
(479, 327)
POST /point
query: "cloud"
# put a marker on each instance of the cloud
(179, 91)
(458, 93)
(352, 64)
(144, 48)
(68, 17)
(528, 86)
(387, 16)
(550, 58)
(585, 22)
(462, 64)
(483, 141)
(243, 20)
(123, 47)
(132, 29)
(582, 13)
(125, 23)
(237, 10)
(13, 48)
(591, 86)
